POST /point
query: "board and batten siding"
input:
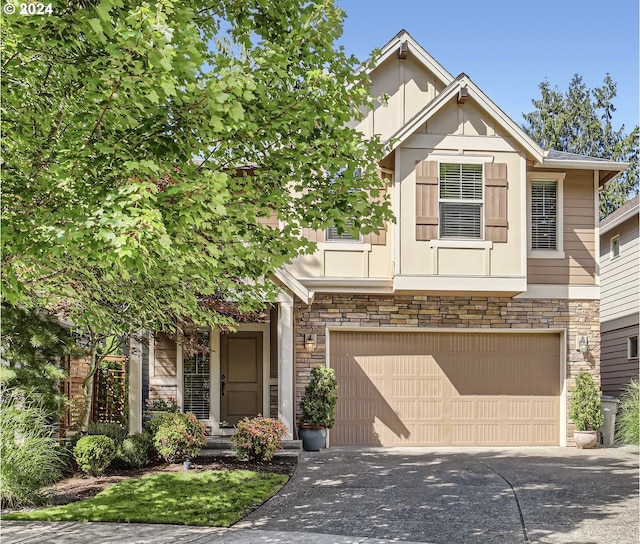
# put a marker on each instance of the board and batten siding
(619, 290)
(166, 356)
(579, 264)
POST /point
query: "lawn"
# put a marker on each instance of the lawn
(215, 498)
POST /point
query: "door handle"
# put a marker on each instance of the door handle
(222, 385)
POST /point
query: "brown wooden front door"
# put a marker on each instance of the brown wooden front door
(240, 376)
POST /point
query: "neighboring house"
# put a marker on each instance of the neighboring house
(459, 324)
(620, 297)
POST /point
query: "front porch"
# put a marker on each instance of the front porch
(221, 377)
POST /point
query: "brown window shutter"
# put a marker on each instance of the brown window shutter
(495, 198)
(271, 221)
(427, 200)
(379, 239)
(313, 235)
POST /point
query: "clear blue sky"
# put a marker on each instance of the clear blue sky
(507, 47)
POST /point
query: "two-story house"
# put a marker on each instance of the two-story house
(620, 293)
(462, 323)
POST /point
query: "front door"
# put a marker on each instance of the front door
(240, 376)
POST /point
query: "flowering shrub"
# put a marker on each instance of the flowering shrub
(258, 439)
(178, 436)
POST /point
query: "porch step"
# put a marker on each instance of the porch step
(220, 447)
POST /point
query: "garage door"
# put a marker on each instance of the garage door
(446, 388)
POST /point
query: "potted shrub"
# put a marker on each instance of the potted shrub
(318, 408)
(585, 411)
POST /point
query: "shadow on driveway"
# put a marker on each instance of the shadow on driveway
(546, 495)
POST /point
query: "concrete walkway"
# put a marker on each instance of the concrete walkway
(344, 495)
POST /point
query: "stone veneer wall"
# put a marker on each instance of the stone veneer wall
(577, 317)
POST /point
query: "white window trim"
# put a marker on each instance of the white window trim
(629, 356)
(343, 245)
(558, 177)
(457, 159)
(611, 242)
(327, 240)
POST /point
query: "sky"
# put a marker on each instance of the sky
(508, 47)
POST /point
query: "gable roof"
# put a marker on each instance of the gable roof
(464, 82)
(608, 169)
(626, 211)
(417, 51)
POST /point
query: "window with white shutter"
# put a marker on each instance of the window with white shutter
(460, 200)
(544, 215)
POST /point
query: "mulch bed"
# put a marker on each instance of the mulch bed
(80, 486)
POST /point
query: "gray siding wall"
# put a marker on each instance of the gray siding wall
(620, 276)
(615, 367)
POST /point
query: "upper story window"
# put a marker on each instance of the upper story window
(615, 246)
(546, 222)
(332, 235)
(461, 200)
(632, 347)
(461, 197)
(544, 215)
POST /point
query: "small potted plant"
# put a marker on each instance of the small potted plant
(318, 408)
(585, 411)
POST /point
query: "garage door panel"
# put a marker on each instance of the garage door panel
(407, 389)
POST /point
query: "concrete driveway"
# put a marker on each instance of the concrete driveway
(452, 496)
(546, 495)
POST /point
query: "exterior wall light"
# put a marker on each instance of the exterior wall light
(583, 346)
(310, 343)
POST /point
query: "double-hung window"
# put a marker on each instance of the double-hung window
(546, 223)
(544, 215)
(332, 235)
(460, 200)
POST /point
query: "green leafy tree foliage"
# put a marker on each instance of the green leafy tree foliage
(580, 121)
(33, 346)
(144, 143)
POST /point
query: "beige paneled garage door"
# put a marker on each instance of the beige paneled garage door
(444, 388)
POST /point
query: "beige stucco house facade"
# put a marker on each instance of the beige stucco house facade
(458, 324)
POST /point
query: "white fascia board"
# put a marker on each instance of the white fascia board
(561, 292)
(304, 294)
(489, 105)
(349, 285)
(419, 119)
(452, 284)
(483, 101)
(584, 165)
(417, 51)
(619, 220)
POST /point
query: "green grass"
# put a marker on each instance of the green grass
(217, 498)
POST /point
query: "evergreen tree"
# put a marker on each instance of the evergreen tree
(580, 121)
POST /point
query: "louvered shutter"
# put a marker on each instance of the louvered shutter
(379, 239)
(495, 215)
(427, 200)
(313, 235)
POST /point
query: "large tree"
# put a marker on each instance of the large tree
(580, 121)
(145, 143)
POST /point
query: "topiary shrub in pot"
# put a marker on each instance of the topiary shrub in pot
(318, 406)
(586, 411)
